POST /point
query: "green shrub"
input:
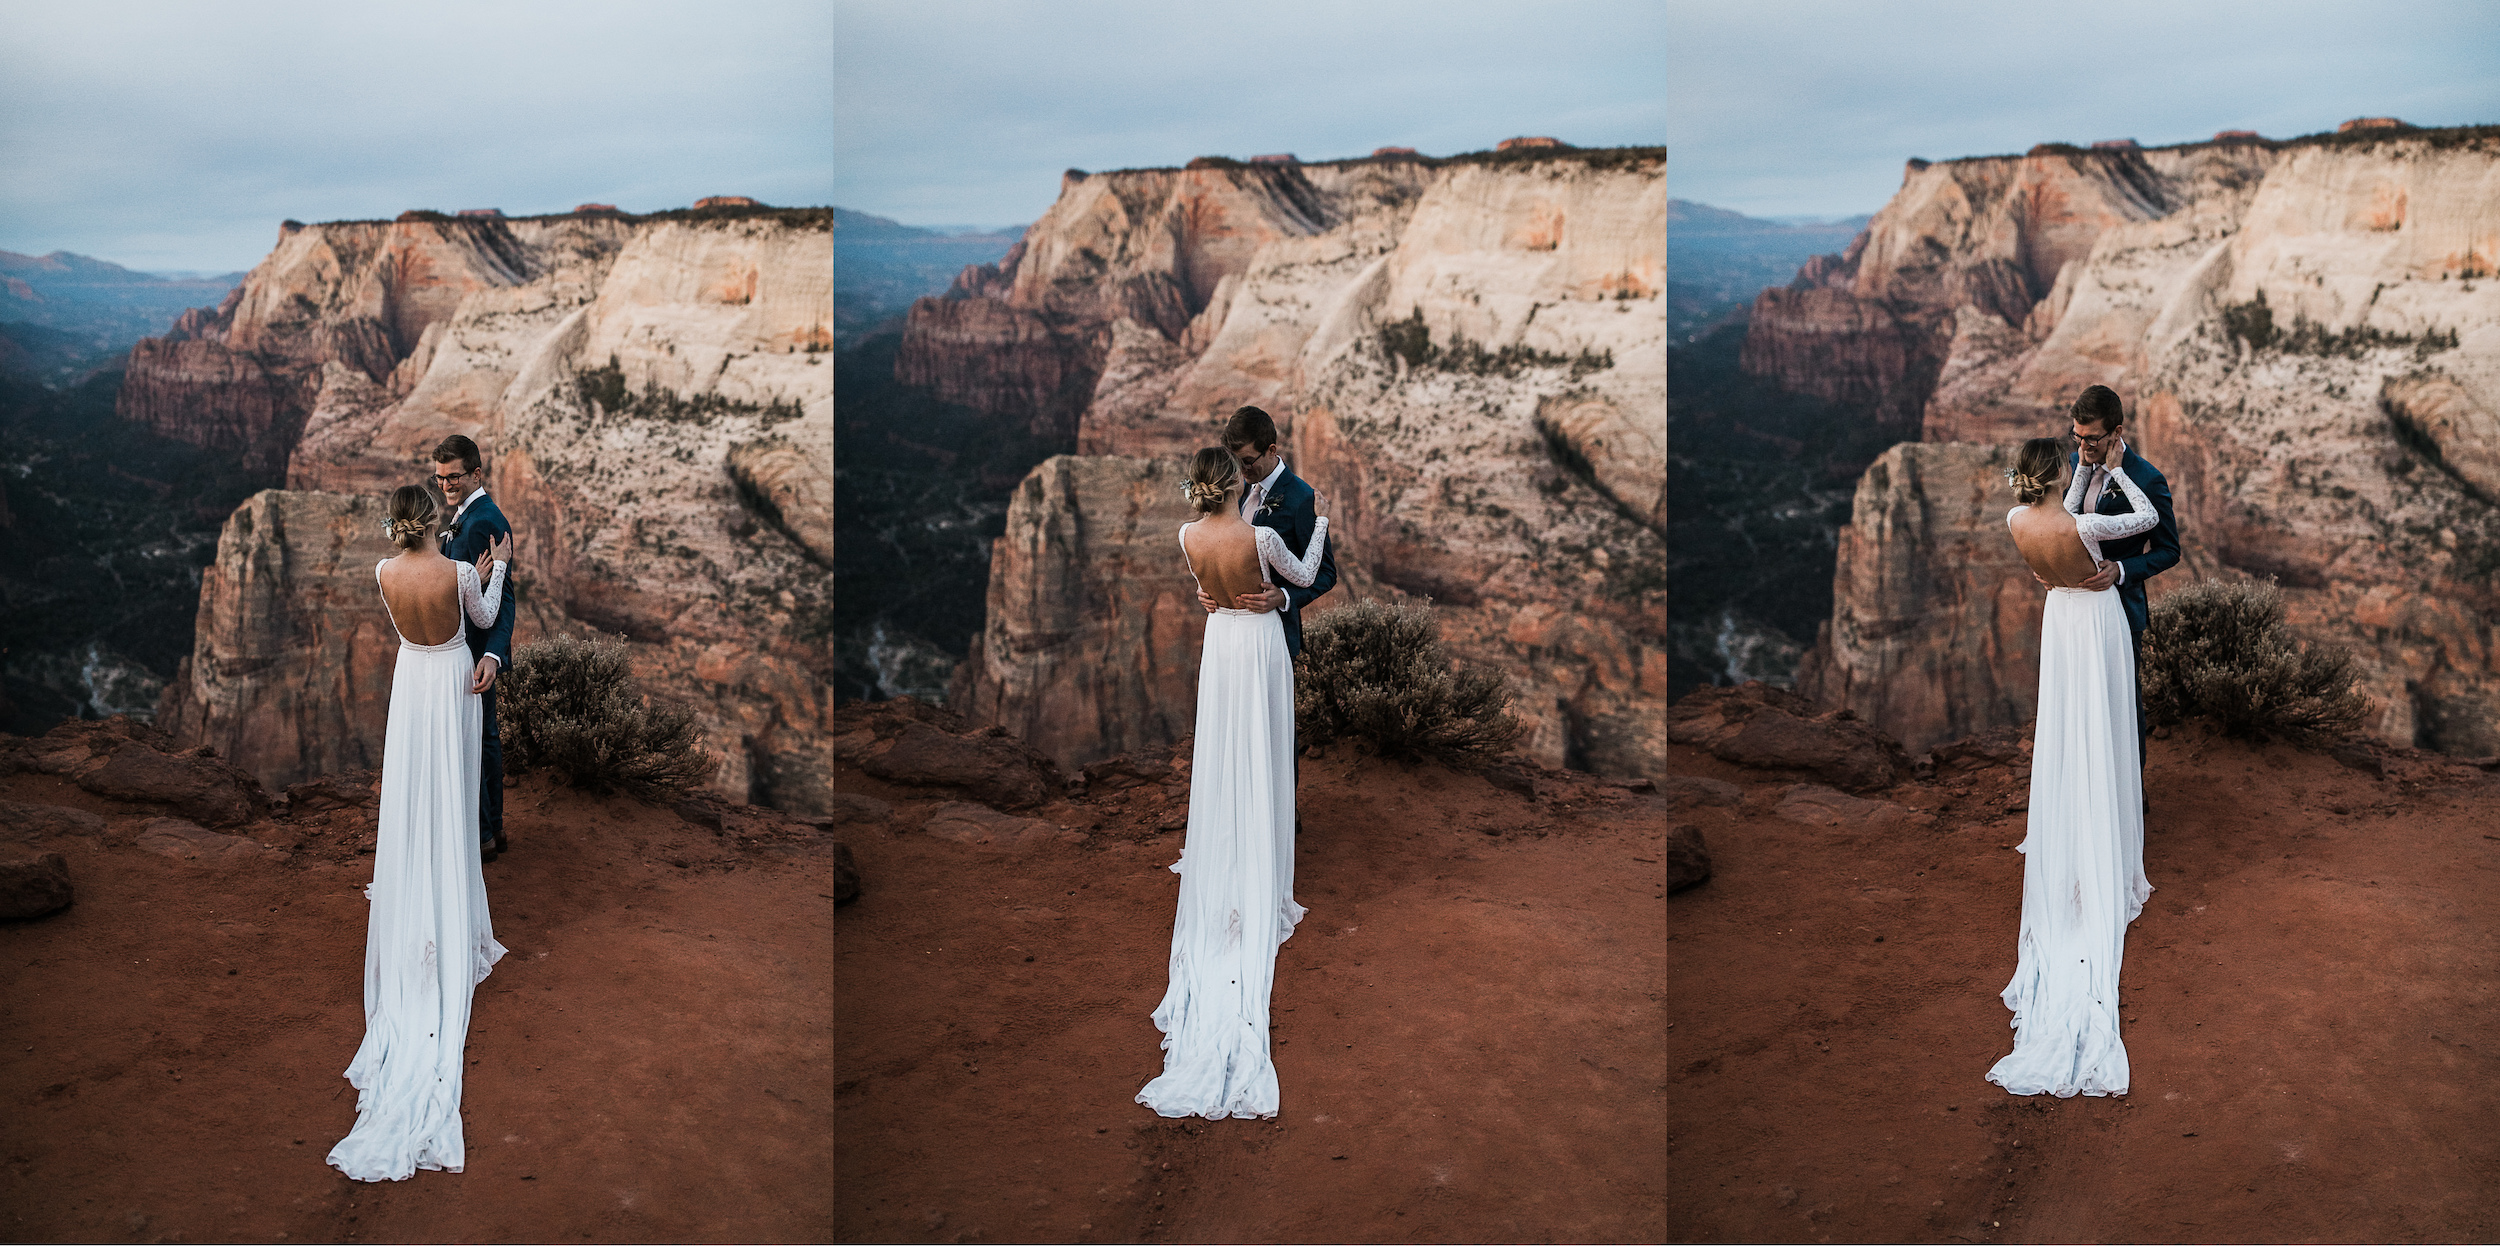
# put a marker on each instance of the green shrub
(1375, 673)
(569, 706)
(2221, 651)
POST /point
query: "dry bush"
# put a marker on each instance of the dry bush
(1375, 673)
(2221, 651)
(570, 707)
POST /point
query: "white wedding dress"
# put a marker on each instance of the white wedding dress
(2083, 859)
(428, 942)
(1236, 866)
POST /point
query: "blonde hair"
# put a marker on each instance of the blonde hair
(413, 514)
(1212, 472)
(2037, 468)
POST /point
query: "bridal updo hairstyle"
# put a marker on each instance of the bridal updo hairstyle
(2037, 469)
(1212, 472)
(414, 512)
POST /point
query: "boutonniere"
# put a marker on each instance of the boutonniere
(1271, 506)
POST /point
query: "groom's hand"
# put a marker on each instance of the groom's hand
(1210, 603)
(2103, 578)
(485, 677)
(1262, 602)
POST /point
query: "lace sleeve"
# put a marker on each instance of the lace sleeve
(2076, 488)
(2112, 527)
(481, 605)
(1299, 570)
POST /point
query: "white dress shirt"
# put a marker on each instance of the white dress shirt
(1255, 496)
(2100, 484)
(475, 494)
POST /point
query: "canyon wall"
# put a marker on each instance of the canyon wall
(655, 404)
(1468, 357)
(2307, 338)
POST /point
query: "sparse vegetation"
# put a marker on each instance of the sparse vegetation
(2253, 323)
(1411, 340)
(1375, 672)
(2222, 652)
(605, 387)
(570, 707)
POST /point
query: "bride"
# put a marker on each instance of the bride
(428, 942)
(1236, 866)
(2083, 859)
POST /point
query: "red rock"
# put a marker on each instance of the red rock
(33, 883)
(1393, 151)
(727, 201)
(185, 841)
(205, 789)
(2222, 135)
(917, 745)
(979, 826)
(2371, 123)
(1766, 728)
(845, 875)
(1688, 859)
(1534, 141)
(30, 822)
(490, 213)
(594, 207)
(1279, 158)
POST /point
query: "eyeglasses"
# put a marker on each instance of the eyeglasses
(2093, 442)
(446, 478)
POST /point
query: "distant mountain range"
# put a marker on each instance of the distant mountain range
(1717, 260)
(880, 266)
(62, 315)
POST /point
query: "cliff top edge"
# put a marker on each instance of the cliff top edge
(803, 218)
(1595, 157)
(2435, 137)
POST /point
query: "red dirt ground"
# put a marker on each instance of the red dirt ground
(1465, 1027)
(647, 1064)
(2309, 1018)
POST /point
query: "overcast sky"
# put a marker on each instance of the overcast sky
(173, 134)
(966, 113)
(1809, 107)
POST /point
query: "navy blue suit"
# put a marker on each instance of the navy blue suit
(2140, 557)
(478, 526)
(1292, 509)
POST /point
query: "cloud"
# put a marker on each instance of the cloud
(967, 113)
(1811, 107)
(176, 136)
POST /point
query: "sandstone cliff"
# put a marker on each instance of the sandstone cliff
(2309, 343)
(656, 409)
(1467, 356)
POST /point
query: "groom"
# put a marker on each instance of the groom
(1273, 497)
(2101, 447)
(475, 523)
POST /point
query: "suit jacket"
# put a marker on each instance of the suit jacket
(2140, 557)
(467, 539)
(1292, 509)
